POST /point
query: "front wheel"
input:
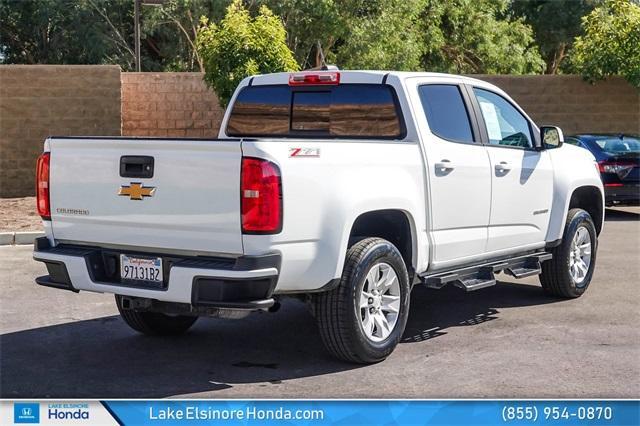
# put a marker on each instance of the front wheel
(155, 323)
(569, 272)
(362, 320)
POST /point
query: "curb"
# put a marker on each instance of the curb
(7, 238)
(19, 238)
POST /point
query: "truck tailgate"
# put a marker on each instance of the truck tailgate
(191, 203)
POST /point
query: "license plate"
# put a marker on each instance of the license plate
(141, 268)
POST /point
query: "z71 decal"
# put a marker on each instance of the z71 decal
(304, 152)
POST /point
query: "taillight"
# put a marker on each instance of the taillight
(261, 196)
(614, 167)
(312, 79)
(622, 169)
(42, 186)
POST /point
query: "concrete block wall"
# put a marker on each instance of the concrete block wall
(576, 106)
(41, 100)
(37, 101)
(169, 105)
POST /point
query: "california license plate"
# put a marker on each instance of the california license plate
(141, 268)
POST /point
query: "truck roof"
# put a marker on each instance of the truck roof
(358, 76)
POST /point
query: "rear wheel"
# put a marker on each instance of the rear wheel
(569, 272)
(155, 323)
(362, 320)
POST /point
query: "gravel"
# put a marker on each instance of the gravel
(19, 214)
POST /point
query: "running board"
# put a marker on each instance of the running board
(482, 275)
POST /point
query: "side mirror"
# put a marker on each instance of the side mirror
(551, 137)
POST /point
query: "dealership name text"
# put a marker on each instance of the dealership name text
(247, 413)
(68, 411)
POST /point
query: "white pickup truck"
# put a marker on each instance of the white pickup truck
(342, 188)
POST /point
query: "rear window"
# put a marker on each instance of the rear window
(618, 145)
(342, 111)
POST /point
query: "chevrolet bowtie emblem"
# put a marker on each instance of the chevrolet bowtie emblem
(136, 191)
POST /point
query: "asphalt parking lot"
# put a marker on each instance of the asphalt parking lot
(509, 340)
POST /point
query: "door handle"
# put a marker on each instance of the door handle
(444, 165)
(502, 167)
(136, 166)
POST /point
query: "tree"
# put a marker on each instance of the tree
(611, 42)
(309, 23)
(115, 19)
(464, 36)
(383, 36)
(555, 25)
(476, 36)
(240, 46)
(62, 32)
(369, 34)
(101, 32)
(170, 31)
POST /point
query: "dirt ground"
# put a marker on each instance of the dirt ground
(19, 214)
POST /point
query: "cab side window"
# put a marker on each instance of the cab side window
(446, 112)
(505, 124)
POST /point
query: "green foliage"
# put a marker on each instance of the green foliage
(555, 25)
(307, 23)
(240, 46)
(372, 34)
(472, 36)
(101, 32)
(460, 36)
(611, 42)
(476, 36)
(65, 32)
(169, 32)
(385, 36)
(115, 19)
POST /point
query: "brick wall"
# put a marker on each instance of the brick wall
(37, 101)
(179, 104)
(574, 105)
(41, 100)
(169, 104)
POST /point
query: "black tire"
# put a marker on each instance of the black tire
(556, 277)
(155, 323)
(337, 311)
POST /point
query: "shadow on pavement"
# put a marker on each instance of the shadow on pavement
(434, 311)
(620, 215)
(103, 358)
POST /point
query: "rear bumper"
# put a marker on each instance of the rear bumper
(245, 282)
(628, 195)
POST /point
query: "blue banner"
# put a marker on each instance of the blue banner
(357, 412)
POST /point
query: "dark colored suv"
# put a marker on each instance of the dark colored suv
(618, 158)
